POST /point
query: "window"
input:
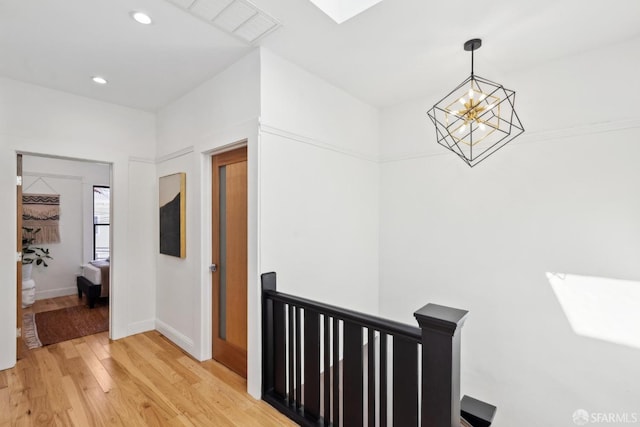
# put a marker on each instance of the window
(101, 202)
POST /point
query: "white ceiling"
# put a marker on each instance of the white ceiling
(397, 50)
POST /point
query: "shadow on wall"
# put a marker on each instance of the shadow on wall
(600, 307)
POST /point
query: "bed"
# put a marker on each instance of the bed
(94, 282)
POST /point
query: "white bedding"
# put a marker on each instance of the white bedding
(92, 273)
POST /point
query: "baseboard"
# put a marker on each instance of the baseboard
(140, 327)
(53, 293)
(176, 337)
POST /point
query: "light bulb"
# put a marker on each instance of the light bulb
(490, 106)
(141, 18)
(482, 97)
(462, 129)
(482, 126)
(462, 101)
(470, 93)
(99, 80)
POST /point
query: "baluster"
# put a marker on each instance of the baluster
(352, 375)
(312, 364)
(291, 343)
(298, 361)
(383, 379)
(336, 372)
(371, 379)
(327, 369)
(279, 368)
(405, 382)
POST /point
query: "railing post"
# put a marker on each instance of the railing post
(440, 364)
(268, 284)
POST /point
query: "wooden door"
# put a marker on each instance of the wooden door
(229, 260)
(19, 263)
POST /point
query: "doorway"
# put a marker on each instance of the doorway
(229, 259)
(60, 193)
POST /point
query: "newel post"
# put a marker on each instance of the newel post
(440, 364)
(268, 284)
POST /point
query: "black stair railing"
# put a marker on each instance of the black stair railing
(328, 366)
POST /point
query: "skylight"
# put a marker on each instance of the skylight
(343, 10)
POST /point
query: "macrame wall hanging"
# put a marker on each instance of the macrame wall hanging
(41, 211)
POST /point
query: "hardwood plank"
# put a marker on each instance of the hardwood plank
(80, 373)
(40, 411)
(18, 395)
(3, 380)
(180, 421)
(97, 347)
(181, 370)
(5, 406)
(140, 410)
(32, 380)
(101, 409)
(151, 343)
(137, 372)
(52, 380)
(98, 371)
(133, 399)
(151, 357)
(145, 381)
(229, 394)
(77, 411)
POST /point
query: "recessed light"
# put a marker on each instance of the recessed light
(99, 80)
(141, 17)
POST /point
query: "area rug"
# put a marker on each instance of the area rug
(67, 323)
(29, 332)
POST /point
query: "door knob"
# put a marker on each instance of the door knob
(213, 268)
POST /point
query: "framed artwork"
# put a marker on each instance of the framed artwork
(172, 215)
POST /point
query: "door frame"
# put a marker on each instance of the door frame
(236, 356)
(19, 326)
(242, 134)
(206, 350)
(112, 302)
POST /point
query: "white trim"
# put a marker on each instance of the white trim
(591, 128)
(142, 160)
(535, 137)
(174, 155)
(176, 337)
(264, 128)
(141, 326)
(52, 175)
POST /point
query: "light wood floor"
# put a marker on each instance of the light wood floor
(142, 380)
(43, 305)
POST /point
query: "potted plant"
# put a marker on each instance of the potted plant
(32, 254)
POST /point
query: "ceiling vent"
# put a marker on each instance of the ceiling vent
(239, 18)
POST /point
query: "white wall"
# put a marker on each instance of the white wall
(319, 187)
(219, 113)
(339, 237)
(43, 121)
(73, 181)
(560, 199)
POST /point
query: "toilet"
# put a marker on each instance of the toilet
(28, 293)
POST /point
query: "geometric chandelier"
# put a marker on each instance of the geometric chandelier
(477, 118)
